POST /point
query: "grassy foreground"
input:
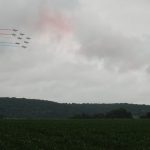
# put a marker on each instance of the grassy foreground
(75, 135)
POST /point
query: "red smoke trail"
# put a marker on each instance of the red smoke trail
(55, 21)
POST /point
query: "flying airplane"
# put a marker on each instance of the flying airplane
(17, 43)
(19, 38)
(26, 42)
(24, 46)
(28, 38)
(14, 34)
(22, 34)
(15, 30)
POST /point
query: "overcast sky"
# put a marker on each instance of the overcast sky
(95, 51)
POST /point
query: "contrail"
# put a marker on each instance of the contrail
(9, 45)
(6, 29)
(5, 37)
(5, 34)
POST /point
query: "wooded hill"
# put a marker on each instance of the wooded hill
(42, 109)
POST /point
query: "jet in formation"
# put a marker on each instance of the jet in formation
(22, 34)
(15, 30)
(14, 34)
(28, 38)
(24, 46)
(19, 38)
(26, 42)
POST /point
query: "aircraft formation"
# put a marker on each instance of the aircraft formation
(17, 38)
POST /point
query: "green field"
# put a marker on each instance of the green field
(75, 135)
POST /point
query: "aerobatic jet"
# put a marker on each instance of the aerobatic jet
(28, 38)
(17, 43)
(15, 30)
(22, 34)
(14, 34)
(24, 47)
(26, 42)
(19, 38)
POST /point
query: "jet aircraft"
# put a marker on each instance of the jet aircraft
(15, 30)
(14, 34)
(24, 46)
(22, 34)
(19, 38)
(26, 42)
(28, 38)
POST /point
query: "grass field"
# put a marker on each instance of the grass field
(75, 135)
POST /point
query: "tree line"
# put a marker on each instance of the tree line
(22, 108)
(117, 113)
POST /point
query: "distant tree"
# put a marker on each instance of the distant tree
(87, 116)
(2, 116)
(146, 116)
(98, 116)
(119, 113)
(81, 116)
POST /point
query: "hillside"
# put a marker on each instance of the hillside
(41, 109)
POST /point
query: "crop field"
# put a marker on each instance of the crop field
(75, 135)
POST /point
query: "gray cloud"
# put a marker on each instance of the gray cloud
(86, 51)
(99, 40)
